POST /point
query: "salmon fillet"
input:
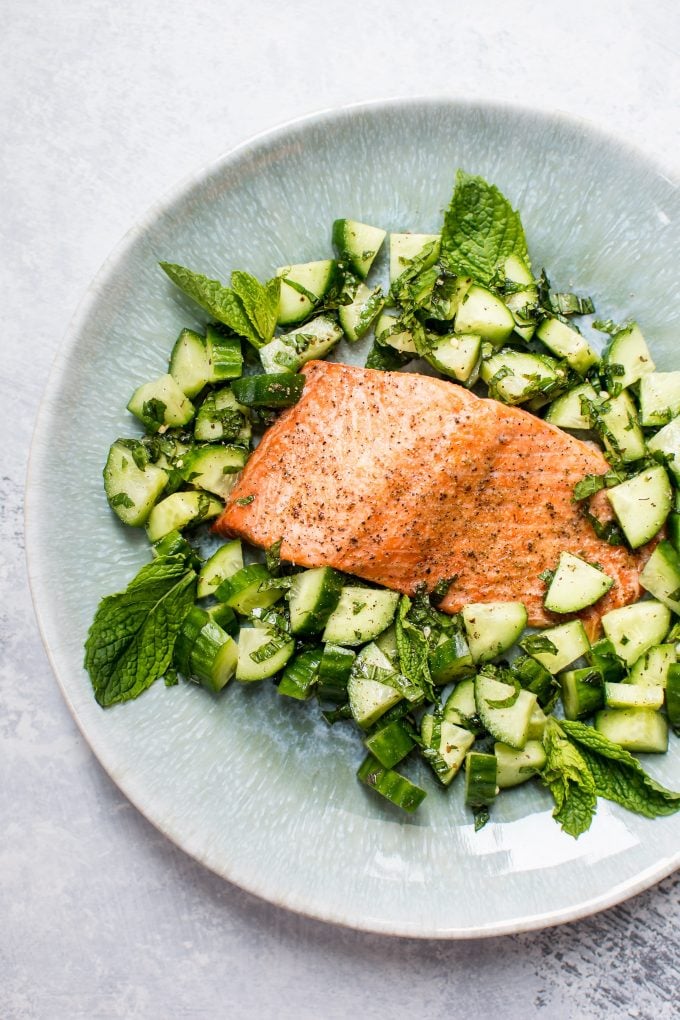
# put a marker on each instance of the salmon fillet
(405, 480)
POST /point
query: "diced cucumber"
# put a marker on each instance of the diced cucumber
(225, 359)
(567, 343)
(483, 314)
(179, 510)
(515, 376)
(313, 596)
(300, 675)
(628, 351)
(534, 677)
(391, 743)
(667, 442)
(602, 655)
(389, 784)
(390, 332)
(632, 696)
(642, 504)
(387, 643)
(192, 625)
(509, 724)
(213, 657)
(521, 302)
(222, 564)
(303, 287)
(575, 585)
(493, 627)
(515, 767)
(451, 659)
(404, 248)
(221, 418)
(447, 745)
(214, 468)
(335, 669)
(660, 575)
(262, 652)
(659, 397)
(639, 730)
(567, 411)
(282, 389)
(360, 615)
(460, 706)
(357, 318)
(480, 779)
(673, 529)
(160, 403)
(673, 697)
(189, 362)
(241, 590)
(131, 490)
(457, 356)
(615, 419)
(358, 244)
(582, 692)
(368, 698)
(289, 352)
(633, 630)
(537, 724)
(569, 641)
(652, 668)
(225, 617)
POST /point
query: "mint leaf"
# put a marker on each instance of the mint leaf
(481, 230)
(131, 640)
(217, 300)
(260, 301)
(618, 776)
(386, 359)
(413, 650)
(568, 777)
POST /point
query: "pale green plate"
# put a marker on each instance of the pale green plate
(258, 789)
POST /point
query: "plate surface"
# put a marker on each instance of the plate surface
(258, 790)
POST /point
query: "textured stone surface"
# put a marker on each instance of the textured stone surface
(102, 108)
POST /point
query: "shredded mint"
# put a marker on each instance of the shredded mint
(244, 500)
(536, 643)
(272, 558)
(481, 816)
(385, 358)
(571, 304)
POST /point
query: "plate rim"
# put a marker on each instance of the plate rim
(126, 782)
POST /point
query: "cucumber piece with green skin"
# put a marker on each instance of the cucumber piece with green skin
(387, 643)
(242, 591)
(667, 442)
(225, 616)
(447, 745)
(262, 653)
(534, 677)
(458, 357)
(282, 389)
(223, 563)
(633, 630)
(335, 670)
(567, 343)
(615, 418)
(509, 724)
(673, 697)
(390, 333)
(404, 248)
(312, 597)
(189, 362)
(569, 640)
(290, 351)
(451, 659)
(632, 696)
(673, 529)
(221, 418)
(301, 675)
(652, 668)
(213, 657)
(492, 627)
(358, 244)
(225, 359)
(642, 504)
(582, 692)
(180, 510)
(567, 411)
(303, 288)
(369, 699)
(192, 625)
(357, 317)
(482, 313)
(602, 655)
(398, 790)
(161, 403)
(175, 544)
(640, 730)
(480, 779)
(360, 615)
(521, 302)
(460, 707)
(628, 351)
(214, 468)
(514, 377)
(659, 397)
(391, 743)
(575, 585)
(515, 767)
(660, 575)
(132, 491)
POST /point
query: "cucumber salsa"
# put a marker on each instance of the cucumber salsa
(473, 692)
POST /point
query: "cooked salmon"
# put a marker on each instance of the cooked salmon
(406, 480)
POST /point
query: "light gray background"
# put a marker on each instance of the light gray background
(103, 106)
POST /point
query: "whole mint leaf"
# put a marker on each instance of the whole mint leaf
(567, 776)
(260, 301)
(219, 301)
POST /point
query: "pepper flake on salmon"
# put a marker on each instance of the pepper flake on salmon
(404, 480)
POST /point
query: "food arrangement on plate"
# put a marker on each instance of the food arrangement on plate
(397, 528)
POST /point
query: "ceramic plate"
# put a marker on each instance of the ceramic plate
(257, 789)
